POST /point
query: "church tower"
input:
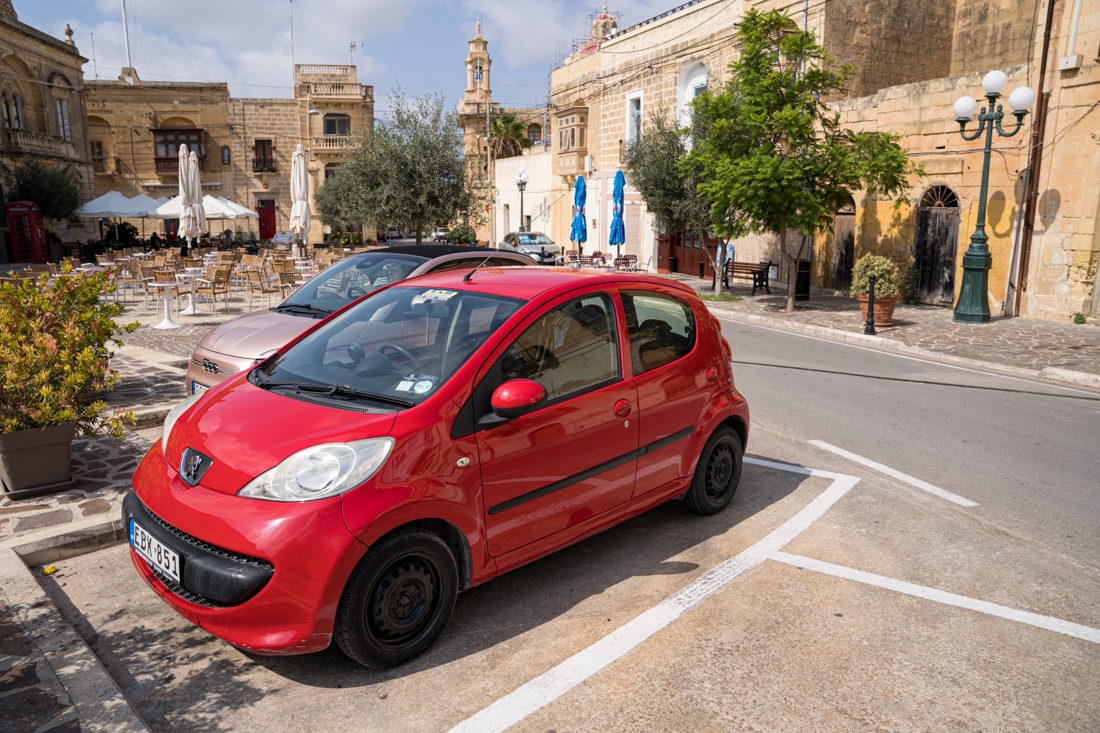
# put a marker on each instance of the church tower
(477, 105)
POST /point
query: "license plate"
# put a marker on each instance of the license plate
(197, 388)
(155, 552)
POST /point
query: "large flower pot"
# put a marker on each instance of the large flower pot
(37, 461)
(884, 309)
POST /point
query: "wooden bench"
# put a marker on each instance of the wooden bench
(755, 271)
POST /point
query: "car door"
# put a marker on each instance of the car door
(574, 457)
(675, 380)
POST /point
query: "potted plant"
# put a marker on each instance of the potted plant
(54, 337)
(887, 291)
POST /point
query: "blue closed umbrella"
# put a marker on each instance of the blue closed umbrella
(578, 232)
(617, 235)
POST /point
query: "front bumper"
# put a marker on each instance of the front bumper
(263, 576)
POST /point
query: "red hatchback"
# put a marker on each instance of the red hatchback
(425, 439)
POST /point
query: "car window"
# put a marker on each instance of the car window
(571, 349)
(534, 239)
(661, 329)
(397, 346)
(339, 284)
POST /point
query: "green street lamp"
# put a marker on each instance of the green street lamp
(973, 303)
(521, 183)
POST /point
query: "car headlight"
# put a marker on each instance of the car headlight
(175, 414)
(320, 471)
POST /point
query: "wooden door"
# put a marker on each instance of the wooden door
(935, 246)
(266, 209)
(844, 238)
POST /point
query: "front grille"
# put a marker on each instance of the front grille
(204, 547)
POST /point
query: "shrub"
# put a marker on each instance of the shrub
(54, 336)
(885, 272)
(462, 235)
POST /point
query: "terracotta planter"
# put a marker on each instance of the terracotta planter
(884, 309)
(37, 461)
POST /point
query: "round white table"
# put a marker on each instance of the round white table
(166, 285)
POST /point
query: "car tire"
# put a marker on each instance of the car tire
(397, 600)
(717, 474)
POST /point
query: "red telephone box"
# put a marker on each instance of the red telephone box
(28, 235)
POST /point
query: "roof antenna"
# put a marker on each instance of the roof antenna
(469, 275)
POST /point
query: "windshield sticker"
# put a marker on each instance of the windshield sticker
(416, 383)
(434, 295)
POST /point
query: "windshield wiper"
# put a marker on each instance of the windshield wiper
(303, 306)
(333, 390)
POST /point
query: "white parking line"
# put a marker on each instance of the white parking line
(911, 480)
(555, 682)
(931, 594)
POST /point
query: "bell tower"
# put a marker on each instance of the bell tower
(475, 109)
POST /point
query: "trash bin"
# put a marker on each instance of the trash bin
(802, 281)
(702, 270)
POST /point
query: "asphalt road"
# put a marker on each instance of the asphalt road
(951, 586)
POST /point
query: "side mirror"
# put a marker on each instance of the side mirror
(517, 397)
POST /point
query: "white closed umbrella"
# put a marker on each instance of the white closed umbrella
(299, 194)
(192, 216)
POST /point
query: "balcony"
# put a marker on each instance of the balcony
(171, 165)
(330, 143)
(36, 143)
(571, 164)
(106, 166)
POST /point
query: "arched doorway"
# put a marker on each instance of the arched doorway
(935, 245)
(844, 244)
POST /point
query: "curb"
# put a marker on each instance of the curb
(1047, 374)
(64, 664)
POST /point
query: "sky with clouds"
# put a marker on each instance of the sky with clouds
(419, 45)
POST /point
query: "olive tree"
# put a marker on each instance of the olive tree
(410, 170)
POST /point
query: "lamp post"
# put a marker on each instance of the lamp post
(521, 183)
(973, 303)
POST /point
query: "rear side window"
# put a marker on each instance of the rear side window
(469, 264)
(661, 329)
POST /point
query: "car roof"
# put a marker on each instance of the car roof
(529, 282)
(429, 251)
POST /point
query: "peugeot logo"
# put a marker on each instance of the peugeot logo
(193, 466)
(209, 366)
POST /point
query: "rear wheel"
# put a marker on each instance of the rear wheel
(397, 600)
(718, 473)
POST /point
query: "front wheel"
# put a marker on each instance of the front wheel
(718, 473)
(397, 600)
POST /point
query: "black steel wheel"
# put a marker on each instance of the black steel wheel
(718, 473)
(397, 600)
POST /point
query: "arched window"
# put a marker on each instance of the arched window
(939, 197)
(692, 82)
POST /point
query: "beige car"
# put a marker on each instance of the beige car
(237, 345)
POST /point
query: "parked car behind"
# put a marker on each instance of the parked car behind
(536, 244)
(439, 234)
(236, 345)
(426, 439)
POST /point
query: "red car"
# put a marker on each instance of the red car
(428, 438)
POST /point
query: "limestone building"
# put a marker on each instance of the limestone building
(42, 87)
(912, 61)
(244, 145)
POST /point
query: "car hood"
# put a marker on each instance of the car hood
(246, 431)
(255, 334)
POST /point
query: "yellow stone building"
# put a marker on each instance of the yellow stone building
(42, 91)
(912, 61)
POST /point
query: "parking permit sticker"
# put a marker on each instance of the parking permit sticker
(416, 383)
(435, 295)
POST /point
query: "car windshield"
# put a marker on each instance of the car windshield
(351, 278)
(534, 238)
(392, 350)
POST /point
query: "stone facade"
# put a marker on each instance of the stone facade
(44, 117)
(121, 135)
(911, 60)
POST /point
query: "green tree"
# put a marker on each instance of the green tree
(770, 152)
(410, 170)
(54, 189)
(509, 136)
(669, 189)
